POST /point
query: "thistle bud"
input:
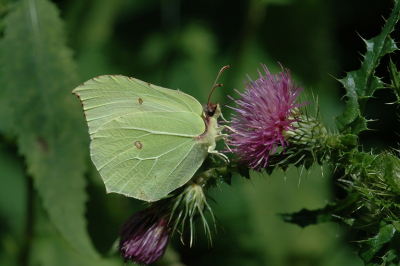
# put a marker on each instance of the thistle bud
(307, 133)
(144, 237)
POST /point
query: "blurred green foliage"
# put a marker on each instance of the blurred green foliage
(53, 205)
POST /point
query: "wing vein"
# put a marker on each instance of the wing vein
(173, 170)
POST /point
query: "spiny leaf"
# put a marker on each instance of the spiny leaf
(337, 211)
(376, 250)
(361, 84)
(392, 173)
(395, 78)
(37, 75)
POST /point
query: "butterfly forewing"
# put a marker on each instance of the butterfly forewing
(107, 97)
(143, 136)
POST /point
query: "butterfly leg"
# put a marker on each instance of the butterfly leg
(224, 136)
(224, 127)
(223, 118)
(220, 155)
(211, 148)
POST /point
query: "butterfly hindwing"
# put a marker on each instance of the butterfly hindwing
(145, 155)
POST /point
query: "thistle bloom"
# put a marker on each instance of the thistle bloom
(144, 237)
(266, 111)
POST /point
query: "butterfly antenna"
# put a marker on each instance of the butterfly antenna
(216, 84)
(233, 100)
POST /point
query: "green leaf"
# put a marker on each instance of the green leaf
(224, 176)
(391, 173)
(395, 79)
(48, 248)
(243, 171)
(377, 249)
(361, 84)
(337, 211)
(5, 104)
(13, 206)
(38, 74)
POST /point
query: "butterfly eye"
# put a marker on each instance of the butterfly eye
(210, 109)
(211, 112)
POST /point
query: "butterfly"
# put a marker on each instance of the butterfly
(146, 140)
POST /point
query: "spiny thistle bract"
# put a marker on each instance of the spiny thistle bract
(267, 116)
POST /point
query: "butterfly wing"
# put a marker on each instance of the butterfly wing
(143, 136)
(105, 98)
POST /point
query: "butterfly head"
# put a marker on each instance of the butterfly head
(212, 110)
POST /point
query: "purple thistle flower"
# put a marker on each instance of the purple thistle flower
(265, 112)
(144, 237)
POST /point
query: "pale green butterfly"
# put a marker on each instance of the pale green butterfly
(147, 140)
